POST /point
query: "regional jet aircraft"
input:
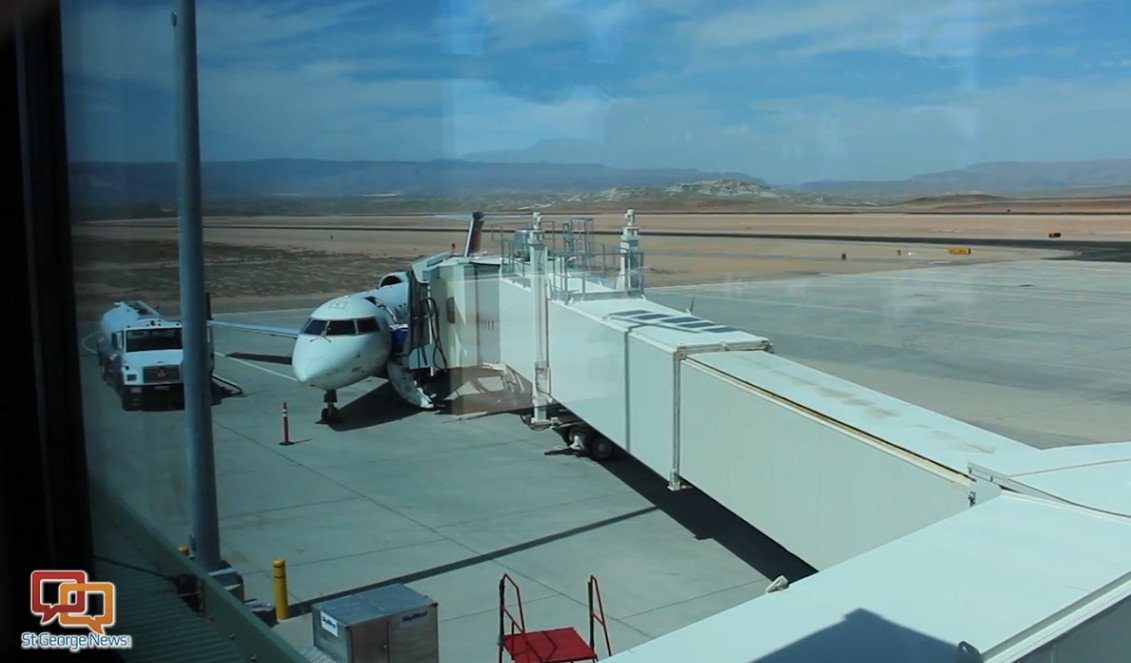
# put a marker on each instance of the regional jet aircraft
(352, 337)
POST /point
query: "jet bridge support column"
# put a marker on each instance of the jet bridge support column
(631, 267)
(537, 245)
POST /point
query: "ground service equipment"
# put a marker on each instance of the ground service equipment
(556, 645)
(140, 355)
(390, 624)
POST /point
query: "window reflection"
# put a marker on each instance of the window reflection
(344, 140)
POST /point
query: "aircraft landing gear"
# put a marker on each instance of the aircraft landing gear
(331, 414)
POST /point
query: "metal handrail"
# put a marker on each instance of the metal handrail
(520, 622)
(595, 592)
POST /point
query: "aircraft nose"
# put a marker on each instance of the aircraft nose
(312, 365)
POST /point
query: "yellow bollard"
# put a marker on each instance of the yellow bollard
(282, 604)
(184, 550)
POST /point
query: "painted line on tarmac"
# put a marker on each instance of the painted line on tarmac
(84, 343)
(669, 288)
(259, 368)
(351, 388)
(305, 309)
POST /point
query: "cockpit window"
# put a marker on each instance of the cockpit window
(314, 327)
(340, 328)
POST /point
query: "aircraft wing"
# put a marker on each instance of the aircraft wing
(256, 329)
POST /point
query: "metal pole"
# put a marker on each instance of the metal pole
(537, 244)
(204, 538)
(630, 268)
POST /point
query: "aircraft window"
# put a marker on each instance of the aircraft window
(340, 328)
(314, 327)
(367, 325)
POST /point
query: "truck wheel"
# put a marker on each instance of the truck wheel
(124, 396)
(601, 448)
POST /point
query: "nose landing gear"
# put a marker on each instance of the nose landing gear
(331, 414)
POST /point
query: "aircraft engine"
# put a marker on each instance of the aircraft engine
(393, 278)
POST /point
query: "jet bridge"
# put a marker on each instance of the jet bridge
(930, 535)
(826, 468)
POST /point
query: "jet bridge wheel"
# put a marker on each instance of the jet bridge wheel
(601, 448)
(596, 446)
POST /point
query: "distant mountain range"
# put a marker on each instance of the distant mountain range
(140, 183)
(1000, 177)
(103, 183)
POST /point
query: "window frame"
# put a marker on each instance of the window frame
(46, 506)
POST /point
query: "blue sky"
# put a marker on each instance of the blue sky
(789, 91)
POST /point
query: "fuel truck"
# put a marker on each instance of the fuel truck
(140, 355)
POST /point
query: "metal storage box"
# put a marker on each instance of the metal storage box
(391, 624)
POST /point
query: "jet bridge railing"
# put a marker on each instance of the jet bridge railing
(562, 267)
(598, 275)
(602, 269)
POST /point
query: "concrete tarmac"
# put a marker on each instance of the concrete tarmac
(447, 504)
(444, 504)
(1036, 350)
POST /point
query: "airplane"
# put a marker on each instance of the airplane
(355, 336)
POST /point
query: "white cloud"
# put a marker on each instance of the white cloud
(332, 106)
(791, 140)
(285, 105)
(483, 120)
(953, 28)
(318, 109)
(132, 43)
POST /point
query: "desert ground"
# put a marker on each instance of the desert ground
(255, 263)
(972, 224)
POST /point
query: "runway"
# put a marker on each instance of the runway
(1035, 350)
(443, 504)
(1109, 244)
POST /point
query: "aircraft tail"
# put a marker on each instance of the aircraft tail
(474, 234)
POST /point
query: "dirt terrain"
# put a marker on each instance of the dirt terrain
(982, 224)
(283, 262)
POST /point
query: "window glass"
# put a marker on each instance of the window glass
(144, 340)
(314, 327)
(341, 328)
(904, 198)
